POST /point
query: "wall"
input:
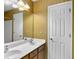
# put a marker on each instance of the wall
(40, 17)
(28, 24)
(40, 9)
(28, 21)
(8, 16)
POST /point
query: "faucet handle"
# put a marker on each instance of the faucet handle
(5, 48)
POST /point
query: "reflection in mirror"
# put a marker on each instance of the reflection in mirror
(8, 31)
(17, 25)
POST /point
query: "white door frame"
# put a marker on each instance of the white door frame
(49, 23)
(18, 26)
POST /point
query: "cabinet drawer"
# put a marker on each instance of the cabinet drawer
(34, 53)
(40, 48)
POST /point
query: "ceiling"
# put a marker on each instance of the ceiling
(8, 4)
(6, 8)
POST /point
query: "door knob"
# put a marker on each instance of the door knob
(69, 35)
(52, 39)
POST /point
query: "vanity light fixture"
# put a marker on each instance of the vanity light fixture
(21, 6)
(21, 9)
(14, 6)
(34, 0)
(26, 6)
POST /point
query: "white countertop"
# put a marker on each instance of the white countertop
(25, 48)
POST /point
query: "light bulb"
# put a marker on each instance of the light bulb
(26, 6)
(34, 0)
(14, 6)
(21, 9)
(20, 3)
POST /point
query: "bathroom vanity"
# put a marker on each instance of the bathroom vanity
(24, 49)
(36, 54)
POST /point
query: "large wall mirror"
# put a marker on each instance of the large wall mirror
(18, 21)
(17, 25)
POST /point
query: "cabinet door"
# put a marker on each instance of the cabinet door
(35, 57)
(41, 54)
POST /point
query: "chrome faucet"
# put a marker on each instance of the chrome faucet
(24, 38)
(31, 41)
(6, 48)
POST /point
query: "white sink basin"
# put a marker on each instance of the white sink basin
(23, 49)
(12, 53)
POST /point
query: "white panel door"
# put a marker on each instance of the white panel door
(18, 26)
(7, 31)
(60, 31)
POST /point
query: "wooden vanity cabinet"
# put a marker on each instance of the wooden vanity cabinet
(25, 57)
(39, 53)
(33, 55)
